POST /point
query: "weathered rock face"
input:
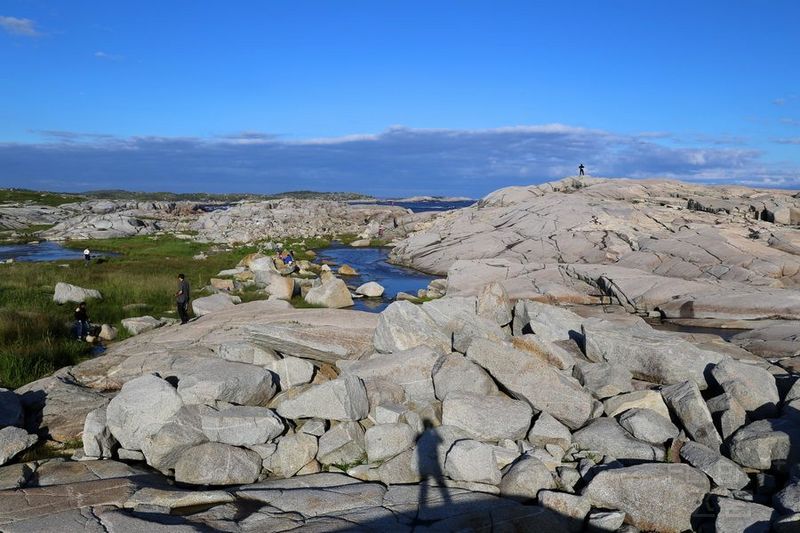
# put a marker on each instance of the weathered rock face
(527, 378)
(647, 354)
(608, 437)
(403, 326)
(140, 409)
(215, 380)
(655, 497)
(217, 464)
(241, 426)
(487, 418)
(341, 399)
(64, 292)
(370, 289)
(410, 369)
(14, 440)
(751, 386)
(141, 324)
(647, 244)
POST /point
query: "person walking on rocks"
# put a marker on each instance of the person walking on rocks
(580, 169)
(182, 299)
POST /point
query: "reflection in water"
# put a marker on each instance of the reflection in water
(44, 251)
(371, 265)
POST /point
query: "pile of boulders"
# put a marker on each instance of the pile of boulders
(600, 420)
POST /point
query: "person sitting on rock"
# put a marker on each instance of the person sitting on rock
(81, 321)
(287, 257)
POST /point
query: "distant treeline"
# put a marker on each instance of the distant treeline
(56, 198)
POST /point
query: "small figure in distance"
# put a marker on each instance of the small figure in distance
(288, 257)
(580, 169)
(87, 256)
(182, 299)
(81, 321)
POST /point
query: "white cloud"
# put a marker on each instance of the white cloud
(18, 26)
(108, 57)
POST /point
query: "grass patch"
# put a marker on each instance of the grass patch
(299, 303)
(35, 337)
(52, 199)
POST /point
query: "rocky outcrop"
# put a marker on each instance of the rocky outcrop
(652, 246)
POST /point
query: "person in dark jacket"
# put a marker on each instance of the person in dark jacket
(81, 321)
(182, 298)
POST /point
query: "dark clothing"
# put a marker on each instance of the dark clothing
(183, 312)
(580, 169)
(81, 322)
(182, 300)
(183, 292)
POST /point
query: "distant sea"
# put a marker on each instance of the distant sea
(421, 207)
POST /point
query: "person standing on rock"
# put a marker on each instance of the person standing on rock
(580, 169)
(182, 299)
(87, 256)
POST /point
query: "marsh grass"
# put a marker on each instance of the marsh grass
(35, 333)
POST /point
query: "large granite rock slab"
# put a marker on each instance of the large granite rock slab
(403, 326)
(343, 399)
(528, 378)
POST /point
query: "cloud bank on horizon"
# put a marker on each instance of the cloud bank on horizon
(396, 162)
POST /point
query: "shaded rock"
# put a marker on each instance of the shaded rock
(245, 352)
(736, 515)
(402, 469)
(571, 506)
(64, 292)
(411, 369)
(529, 379)
(294, 451)
(403, 325)
(213, 463)
(241, 426)
(384, 441)
(97, 438)
(141, 324)
(547, 430)
(213, 380)
(14, 440)
(140, 409)
(759, 444)
(648, 354)
(604, 379)
(684, 399)
(214, 303)
(59, 472)
(476, 327)
(494, 304)
(332, 294)
(727, 413)
(487, 418)
(722, 471)
(15, 475)
(370, 289)
(751, 386)
(787, 501)
(57, 407)
(648, 425)
(456, 373)
(343, 399)
(470, 460)
(525, 478)
(11, 413)
(606, 436)
(655, 497)
(342, 444)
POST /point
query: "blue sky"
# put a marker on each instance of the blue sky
(395, 98)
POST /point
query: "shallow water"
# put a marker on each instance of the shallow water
(371, 265)
(44, 251)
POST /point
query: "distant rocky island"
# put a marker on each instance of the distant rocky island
(570, 370)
